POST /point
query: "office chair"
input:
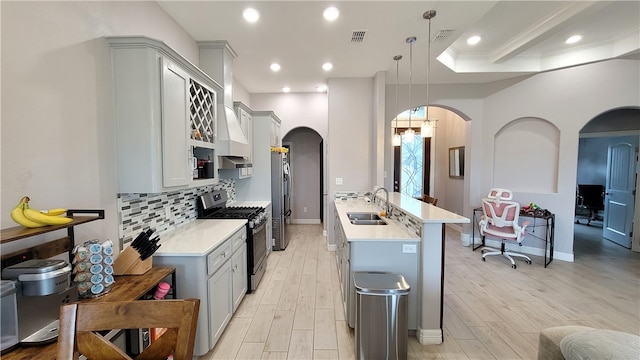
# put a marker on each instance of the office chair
(500, 219)
(591, 199)
(431, 200)
(80, 324)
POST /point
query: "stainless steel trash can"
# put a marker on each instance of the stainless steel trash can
(381, 315)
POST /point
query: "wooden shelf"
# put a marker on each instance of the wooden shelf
(50, 248)
(21, 232)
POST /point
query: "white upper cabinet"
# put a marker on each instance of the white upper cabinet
(165, 115)
(276, 141)
(176, 168)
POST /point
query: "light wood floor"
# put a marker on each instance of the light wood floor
(491, 310)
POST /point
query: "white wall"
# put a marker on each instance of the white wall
(451, 132)
(295, 110)
(57, 119)
(351, 112)
(568, 99)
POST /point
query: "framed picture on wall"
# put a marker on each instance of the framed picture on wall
(456, 162)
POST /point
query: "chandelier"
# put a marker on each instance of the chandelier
(397, 138)
(426, 130)
(409, 134)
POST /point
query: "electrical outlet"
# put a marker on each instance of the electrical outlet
(409, 248)
(339, 181)
(304, 209)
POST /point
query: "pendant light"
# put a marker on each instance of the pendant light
(409, 134)
(397, 138)
(426, 130)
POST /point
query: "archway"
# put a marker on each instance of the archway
(592, 231)
(450, 131)
(306, 161)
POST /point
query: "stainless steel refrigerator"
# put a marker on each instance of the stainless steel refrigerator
(280, 199)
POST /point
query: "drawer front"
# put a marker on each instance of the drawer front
(218, 257)
(239, 238)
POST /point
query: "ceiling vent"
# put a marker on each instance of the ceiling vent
(357, 36)
(443, 34)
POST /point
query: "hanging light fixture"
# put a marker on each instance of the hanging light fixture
(409, 134)
(397, 138)
(426, 130)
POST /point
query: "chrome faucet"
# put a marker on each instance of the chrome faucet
(373, 197)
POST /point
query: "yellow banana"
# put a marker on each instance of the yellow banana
(37, 216)
(17, 214)
(54, 212)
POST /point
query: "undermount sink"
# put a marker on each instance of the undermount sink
(364, 216)
(368, 222)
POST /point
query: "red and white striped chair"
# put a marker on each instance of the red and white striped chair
(500, 219)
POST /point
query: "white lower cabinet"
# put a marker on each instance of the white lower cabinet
(239, 274)
(220, 303)
(218, 278)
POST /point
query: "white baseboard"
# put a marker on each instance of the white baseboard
(429, 336)
(305, 221)
(526, 249)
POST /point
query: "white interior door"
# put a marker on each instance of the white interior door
(620, 190)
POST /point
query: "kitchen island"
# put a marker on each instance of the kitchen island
(409, 218)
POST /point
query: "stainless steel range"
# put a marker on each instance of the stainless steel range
(213, 205)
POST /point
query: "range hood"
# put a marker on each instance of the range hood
(216, 59)
(234, 162)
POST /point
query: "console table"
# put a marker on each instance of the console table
(125, 288)
(542, 227)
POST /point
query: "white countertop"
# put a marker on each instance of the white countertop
(198, 237)
(422, 211)
(392, 231)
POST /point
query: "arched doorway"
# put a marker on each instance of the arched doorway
(306, 162)
(607, 224)
(428, 158)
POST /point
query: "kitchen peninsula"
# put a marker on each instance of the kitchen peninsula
(409, 219)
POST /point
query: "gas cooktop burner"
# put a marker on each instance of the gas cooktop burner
(235, 213)
(214, 206)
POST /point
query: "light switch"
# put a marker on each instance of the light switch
(409, 248)
(338, 181)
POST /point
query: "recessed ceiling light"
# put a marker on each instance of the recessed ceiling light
(251, 15)
(331, 13)
(275, 67)
(321, 88)
(327, 66)
(573, 39)
(286, 89)
(474, 40)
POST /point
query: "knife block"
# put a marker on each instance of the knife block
(129, 263)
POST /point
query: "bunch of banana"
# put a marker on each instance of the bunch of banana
(31, 218)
